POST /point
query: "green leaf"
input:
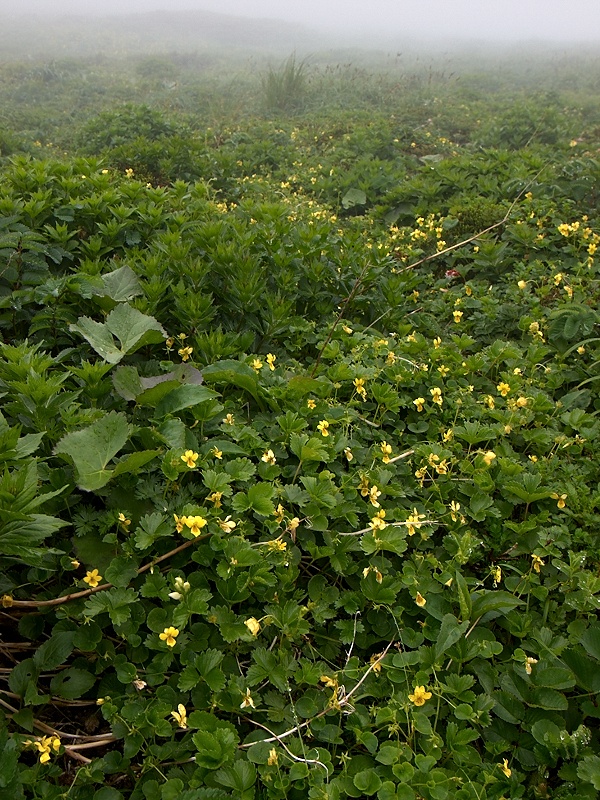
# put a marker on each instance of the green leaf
(257, 498)
(589, 770)
(92, 448)
(354, 197)
(367, 781)
(185, 396)
(55, 651)
(122, 284)
(129, 326)
(464, 596)
(72, 683)
(494, 603)
(548, 699)
(236, 373)
(450, 632)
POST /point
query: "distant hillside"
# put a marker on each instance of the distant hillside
(34, 36)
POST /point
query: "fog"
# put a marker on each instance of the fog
(495, 20)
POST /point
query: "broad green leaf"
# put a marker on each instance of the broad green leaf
(122, 284)
(493, 603)
(450, 632)
(185, 396)
(54, 651)
(92, 448)
(354, 197)
(130, 327)
(72, 683)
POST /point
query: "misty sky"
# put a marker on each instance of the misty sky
(562, 20)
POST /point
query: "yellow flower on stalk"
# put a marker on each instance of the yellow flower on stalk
(377, 522)
(185, 353)
(195, 524)
(323, 427)
(45, 746)
(180, 716)
(92, 578)
(420, 600)
(454, 509)
(180, 522)
(419, 402)
(458, 315)
(437, 342)
(503, 388)
(229, 419)
(391, 358)
(374, 493)
(386, 450)
(413, 522)
(496, 573)
(505, 768)
(257, 364)
(581, 349)
(536, 562)
(124, 521)
(348, 453)
(273, 758)
(215, 498)
(269, 457)
(279, 513)
(169, 635)
(253, 625)
(364, 485)
(359, 386)
(489, 401)
(330, 683)
(247, 702)
(529, 662)
(521, 402)
(270, 358)
(217, 453)
(276, 545)
(311, 404)
(419, 696)
(436, 395)
(190, 458)
(347, 329)
(561, 499)
(522, 285)
(489, 457)
(226, 524)
(558, 278)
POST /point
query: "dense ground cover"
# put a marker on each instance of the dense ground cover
(298, 428)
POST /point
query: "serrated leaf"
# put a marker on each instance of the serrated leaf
(121, 284)
(129, 326)
(55, 651)
(92, 448)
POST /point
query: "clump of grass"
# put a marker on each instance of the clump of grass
(284, 88)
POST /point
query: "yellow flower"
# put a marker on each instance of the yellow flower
(311, 404)
(347, 329)
(45, 746)
(454, 509)
(257, 364)
(253, 625)
(505, 768)
(443, 370)
(489, 401)
(92, 578)
(437, 342)
(374, 493)
(215, 498)
(377, 523)
(185, 353)
(279, 513)
(581, 349)
(190, 458)
(496, 573)
(195, 524)
(330, 683)
(522, 284)
(269, 457)
(419, 402)
(413, 522)
(559, 498)
(323, 427)
(503, 388)
(226, 524)
(391, 358)
(217, 453)
(364, 485)
(448, 435)
(348, 453)
(458, 315)
(180, 716)
(420, 600)
(273, 758)
(75, 564)
(179, 523)
(521, 402)
(229, 419)
(124, 521)
(489, 457)
(386, 450)
(271, 361)
(276, 545)
(247, 702)
(536, 562)
(420, 696)
(436, 395)
(359, 385)
(558, 278)
(529, 662)
(169, 635)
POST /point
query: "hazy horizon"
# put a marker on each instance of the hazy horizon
(494, 20)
